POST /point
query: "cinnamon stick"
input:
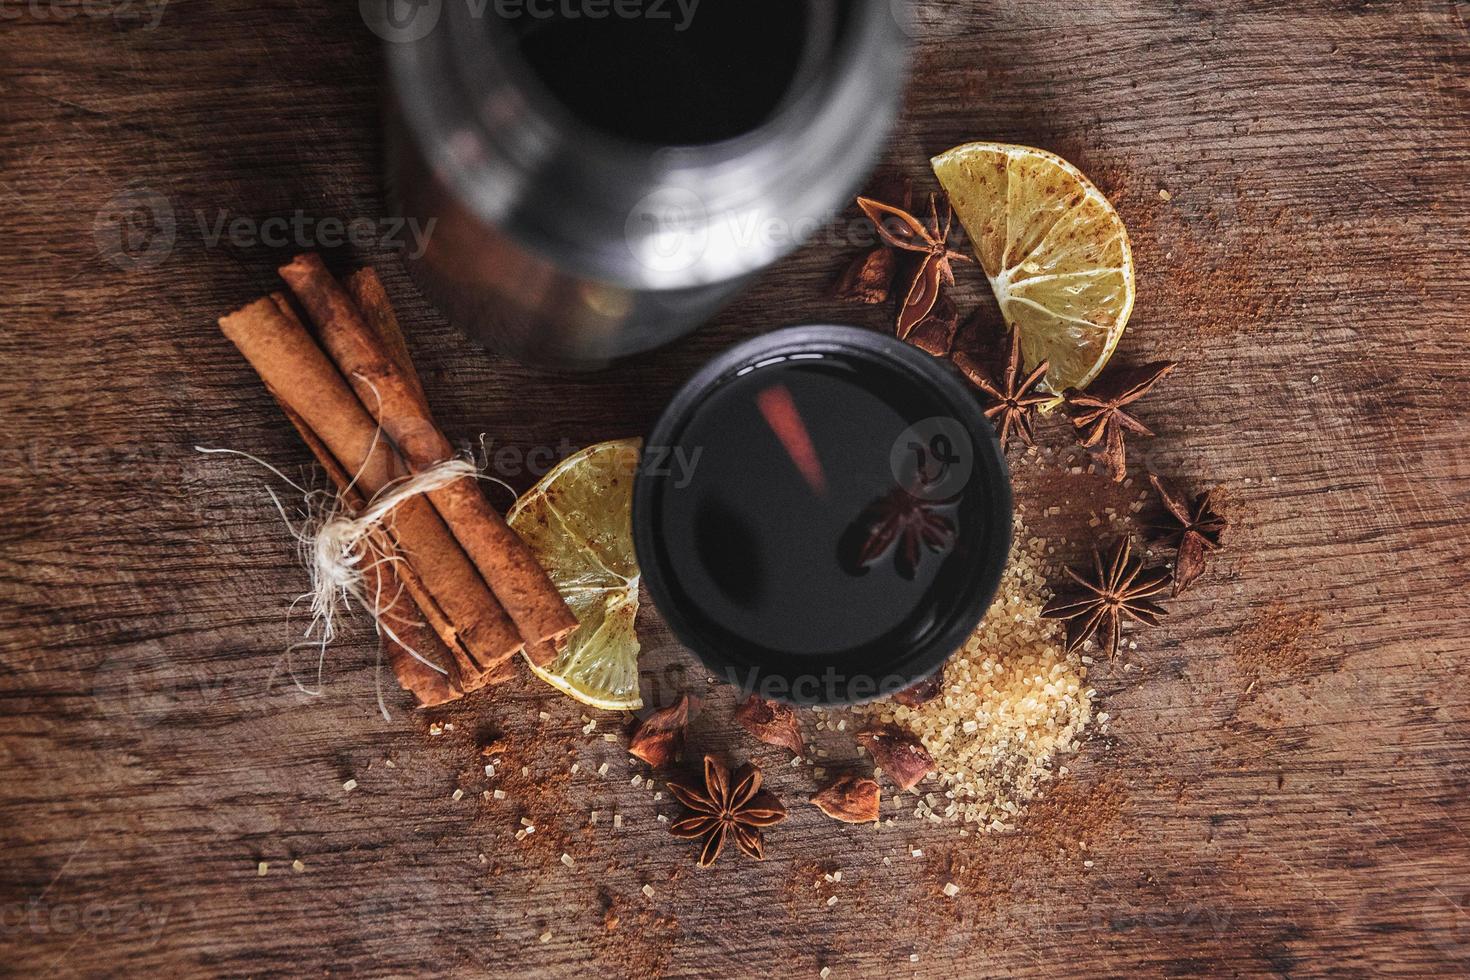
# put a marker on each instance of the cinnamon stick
(306, 383)
(429, 633)
(508, 566)
(372, 299)
(407, 635)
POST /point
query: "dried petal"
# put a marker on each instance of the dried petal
(692, 797)
(691, 827)
(935, 332)
(772, 723)
(751, 841)
(868, 278)
(714, 842)
(849, 798)
(1189, 563)
(901, 756)
(896, 226)
(658, 738)
(922, 692)
(922, 295)
(763, 810)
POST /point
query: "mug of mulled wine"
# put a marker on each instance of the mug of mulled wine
(603, 177)
(822, 514)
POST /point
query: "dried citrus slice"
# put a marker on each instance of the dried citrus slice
(1055, 252)
(578, 522)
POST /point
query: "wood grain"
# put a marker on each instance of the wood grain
(1302, 814)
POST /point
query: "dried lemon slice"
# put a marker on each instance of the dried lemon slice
(1055, 252)
(578, 522)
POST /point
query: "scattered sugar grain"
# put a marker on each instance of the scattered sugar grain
(1026, 697)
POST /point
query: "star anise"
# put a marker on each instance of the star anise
(1012, 400)
(727, 805)
(1118, 588)
(1198, 531)
(902, 522)
(903, 231)
(1098, 413)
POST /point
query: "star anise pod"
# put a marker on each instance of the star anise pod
(902, 522)
(726, 805)
(930, 239)
(1099, 417)
(1118, 588)
(1198, 531)
(1012, 399)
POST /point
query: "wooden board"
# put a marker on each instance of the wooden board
(1284, 789)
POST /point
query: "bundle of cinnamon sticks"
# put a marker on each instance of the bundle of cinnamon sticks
(461, 589)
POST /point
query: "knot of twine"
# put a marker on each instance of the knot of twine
(342, 547)
(338, 546)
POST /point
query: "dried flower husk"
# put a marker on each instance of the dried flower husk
(772, 723)
(868, 278)
(659, 738)
(901, 756)
(935, 332)
(921, 692)
(849, 798)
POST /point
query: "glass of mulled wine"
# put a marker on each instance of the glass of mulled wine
(822, 514)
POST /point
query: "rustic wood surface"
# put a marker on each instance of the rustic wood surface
(1284, 789)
